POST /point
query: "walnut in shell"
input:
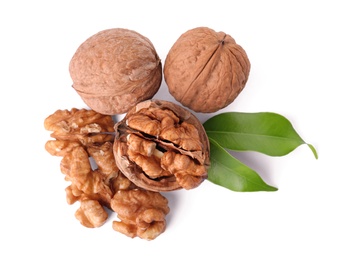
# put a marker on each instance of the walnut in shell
(206, 70)
(161, 146)
(115, 69)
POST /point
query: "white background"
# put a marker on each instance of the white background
(296, 49)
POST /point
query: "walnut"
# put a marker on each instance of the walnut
(92, 183)
(80, 135)
(70, 127)
(206, 70)
(91, 213)
(104, 158)
(141, 213)
(73, 194)
(115, 69)
(80, 140)
(60, 147)
(160, 146)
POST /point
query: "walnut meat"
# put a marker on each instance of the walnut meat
(160, 146)
(100, 185)
(141, 213)
(76, 127)
(91, 214)
(115, 69)
(91, 183)
(79, 135)
(206, 70)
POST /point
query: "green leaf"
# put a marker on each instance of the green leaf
(264, 132)
(228, 172)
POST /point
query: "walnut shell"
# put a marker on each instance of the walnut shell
(206, 70)
(115, 69)
(161, 146)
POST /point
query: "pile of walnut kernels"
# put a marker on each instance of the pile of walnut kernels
(78, 136)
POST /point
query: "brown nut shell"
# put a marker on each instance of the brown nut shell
(161, 146)
(206, 70)
(115, 69)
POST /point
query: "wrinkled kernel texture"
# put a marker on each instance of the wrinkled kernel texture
(142, 213)
(163, 146)
(78, 136)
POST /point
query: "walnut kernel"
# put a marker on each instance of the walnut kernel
(160, 146)
(141, 213)
(79, 137)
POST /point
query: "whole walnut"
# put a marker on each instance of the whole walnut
(115, 69)
(206, 70)
(161, 146)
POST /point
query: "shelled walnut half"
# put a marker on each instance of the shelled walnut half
(161, 146)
